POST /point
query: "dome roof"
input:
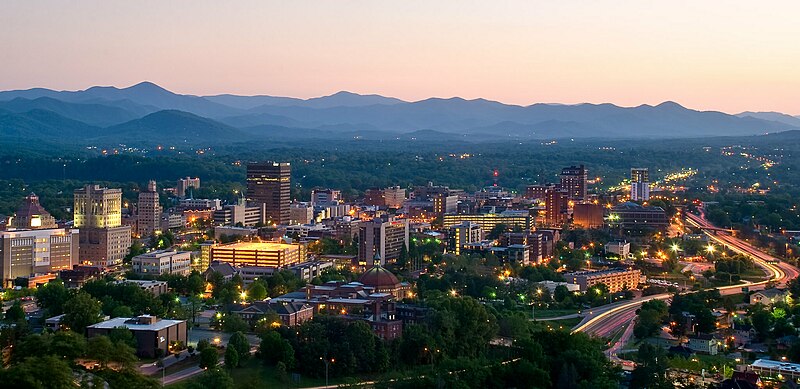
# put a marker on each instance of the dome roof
(378, 277)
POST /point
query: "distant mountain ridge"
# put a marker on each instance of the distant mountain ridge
(146, 112)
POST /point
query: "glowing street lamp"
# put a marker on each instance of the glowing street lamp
(675, 247)
(710, 249)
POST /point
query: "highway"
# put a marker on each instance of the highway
(604, 321)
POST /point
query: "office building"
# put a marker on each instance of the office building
(588, 215)
(269, 183)
(640, 184)
(154, 337)
(154, 287)
(616, 279)
(573, 181)
(25, 253)
(149, 211)
(463, 234)
(104, 241)
(301, 213)
(381, 240)
(243, 214)
(489, 221)
(634, 217)
(185, 185)
(444, 204)
(163, 262)
(31, 215)
(200, 204)
(394, 197)
(556, 207)
(537, 192)
(325, 196)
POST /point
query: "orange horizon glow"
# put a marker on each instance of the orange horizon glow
(729, 56)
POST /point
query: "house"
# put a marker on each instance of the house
(704, 343)
(290, 313)
(226, 269)
(769, 296)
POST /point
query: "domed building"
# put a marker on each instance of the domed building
(383, 281)
(31, 215)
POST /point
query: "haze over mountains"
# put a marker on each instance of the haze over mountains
(147, 113)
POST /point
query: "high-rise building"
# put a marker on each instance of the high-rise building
(31, 215)
(28, 252)
(384, 238)
(444, 204)
(323, 197)
(104, 241)
(149, 211)
(640, 184)
(555, 207)
(394, 197)
(588, 215)
(270, 183)
(463, 234)
(184, 184)
(573, 180)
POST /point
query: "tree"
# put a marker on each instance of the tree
(560, 293)
(231, 358)
(651, 370)
(762, 321)
(101, 349)
(39, 372)
(15, 313)
(81, 311)
(257, 291)
(239, 341)
(195, 284)
(209, 358)
(67, 344)
(203, 344)
(122, 335)
(213, 378)
(273, 349)
(234, 323)
(52, 297)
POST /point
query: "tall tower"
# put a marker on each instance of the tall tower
(269, 183)
(149, 208)
(104, 241)
(573, 180)
(640, 184)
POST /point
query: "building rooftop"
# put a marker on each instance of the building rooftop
(133, 324)
(259, 246)
(776, 365)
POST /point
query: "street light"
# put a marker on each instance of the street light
(327, 363)
(710, 249)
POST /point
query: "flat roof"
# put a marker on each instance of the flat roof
(776, 365)
(259, 246)
(120, 322)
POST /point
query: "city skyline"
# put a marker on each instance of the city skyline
(703, 56)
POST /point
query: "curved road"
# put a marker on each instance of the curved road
(606, 320)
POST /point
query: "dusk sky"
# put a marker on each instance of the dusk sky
(713, 55)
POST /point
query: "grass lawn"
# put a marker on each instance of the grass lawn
(255, 374)
(545, 313)
(564, 324)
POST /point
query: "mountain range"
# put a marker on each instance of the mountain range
(147, 113)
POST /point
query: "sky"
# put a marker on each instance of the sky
(730, 56)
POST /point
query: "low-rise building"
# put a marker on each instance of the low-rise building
(154, 337)
(152, 286)
(615, 279)
(621, 249)
(290, 313)
(163, 262)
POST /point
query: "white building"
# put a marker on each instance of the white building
(620, 248)
(163, 262)
(640, 184)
